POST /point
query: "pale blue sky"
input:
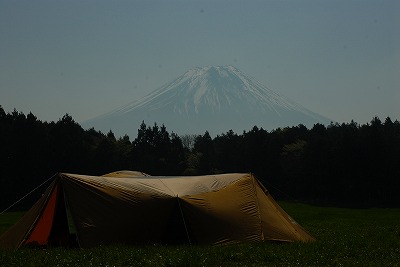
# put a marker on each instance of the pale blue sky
(340, 59)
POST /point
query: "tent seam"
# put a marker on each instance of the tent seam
(258, 206)
(173, 193)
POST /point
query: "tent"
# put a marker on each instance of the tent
(134, 208)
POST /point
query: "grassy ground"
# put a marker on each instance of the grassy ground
(8, 219)
(345, 237)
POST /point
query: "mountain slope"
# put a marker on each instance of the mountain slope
(216, 99)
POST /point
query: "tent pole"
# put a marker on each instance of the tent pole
(184, 222)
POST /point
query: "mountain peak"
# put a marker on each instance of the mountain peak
(212, 98)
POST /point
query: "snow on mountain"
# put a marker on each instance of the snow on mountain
(214, 99)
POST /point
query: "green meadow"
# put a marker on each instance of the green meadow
(345, 237)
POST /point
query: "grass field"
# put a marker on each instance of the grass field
(345, 237)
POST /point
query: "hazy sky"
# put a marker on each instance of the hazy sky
(340, 59)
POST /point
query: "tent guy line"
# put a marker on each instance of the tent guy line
(30, 192)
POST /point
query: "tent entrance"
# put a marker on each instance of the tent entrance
(51, 227)
(176, 232)
(73, 236)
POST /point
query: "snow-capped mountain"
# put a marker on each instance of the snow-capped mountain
(214, 99)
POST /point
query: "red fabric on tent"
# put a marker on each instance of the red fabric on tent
(41, 232)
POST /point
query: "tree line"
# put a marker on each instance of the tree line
(340, 164)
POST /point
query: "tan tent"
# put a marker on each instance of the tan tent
(134, 208)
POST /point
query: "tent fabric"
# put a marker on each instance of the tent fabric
(124, 208)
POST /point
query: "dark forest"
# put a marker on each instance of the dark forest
(347, 164)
